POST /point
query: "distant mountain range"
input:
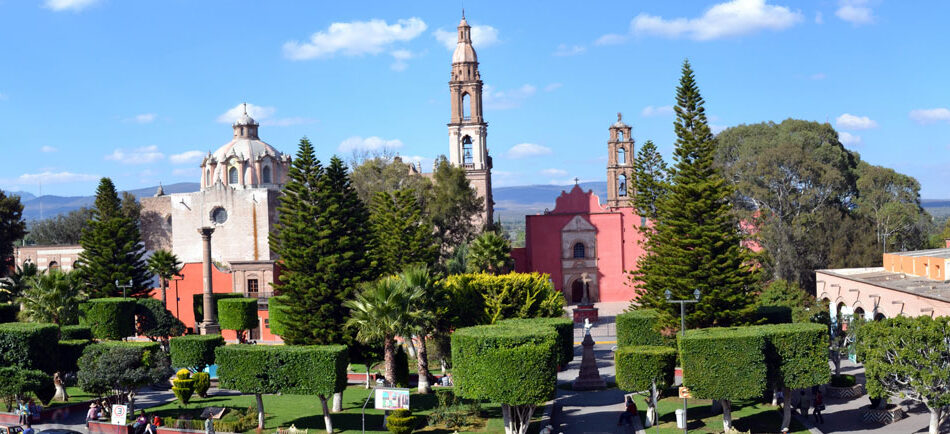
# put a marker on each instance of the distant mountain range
(46, 206)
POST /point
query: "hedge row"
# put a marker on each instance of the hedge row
(237, 313)
(797, 354)
(773, 315)
(109, 318)
(29, 345)
(69, 352)
(8, 312)
(639, 327)
(487, 298)
(277, 308)
(506, 363)
(638, 366)
(199, 306)
(302, 370)
(565, 329)
(74, 332)
(194, 352)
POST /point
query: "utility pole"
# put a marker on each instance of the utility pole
(682, 303)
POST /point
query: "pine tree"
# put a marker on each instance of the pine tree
(453, 207)
(112, 249)
(696, 242)
(402, 235)
(651, 180)
(12, 228)
(321, 237)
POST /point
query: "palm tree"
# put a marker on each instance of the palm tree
(52, 297)
(490, 253)
(13, 285)
(418, 278)
(166, 265)
(382, 311)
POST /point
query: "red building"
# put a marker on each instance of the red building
(582, 236)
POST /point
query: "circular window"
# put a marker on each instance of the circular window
(219, 215)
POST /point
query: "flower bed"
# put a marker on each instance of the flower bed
(889, 415)
(844, 387)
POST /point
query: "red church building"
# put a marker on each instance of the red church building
(583, 237)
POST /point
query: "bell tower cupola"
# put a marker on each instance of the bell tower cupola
(245, 127)
(620, 165)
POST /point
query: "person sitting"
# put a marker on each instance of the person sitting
(626, 418)
(27, 429)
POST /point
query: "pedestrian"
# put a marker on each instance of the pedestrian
(157, 421)
(819, 406)
(803, 404)
(780, 397)
(626, 418)
(209, 425)
(92, 414)
(24, 412)
(27, 429)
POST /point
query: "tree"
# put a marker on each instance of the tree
(166, 266)
(909, 357)
(383, 310)
(13, 285)
(383, 171)
(418, 278)
(238, 314)
(453, 206)
(112, 249)
(650, 181)
(490, 253)
(59, 230)
(892, 202)
(154, 321)
(402, 235)
(780, 293)
(457, 263)
(195, 352)
(648, 369)
(696, 243)
(16, 382)
(12, 228)
(52, 297)
(121, 368)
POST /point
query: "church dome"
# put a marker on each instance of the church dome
(245, 149)
(246, 161)
(464, 53)
(245, 120)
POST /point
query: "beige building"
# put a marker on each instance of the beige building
(48, 257)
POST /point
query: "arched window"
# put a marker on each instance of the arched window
(208, 178)
(622, 185)
(466, 107)
(467, 150)
(859, 313)
(242, 131)
(621, 156)
(232, 175)
(53, 265)
(579, 251)
(879, 316)
(265, 174)
(620, 135)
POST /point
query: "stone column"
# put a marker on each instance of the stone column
(209, 325)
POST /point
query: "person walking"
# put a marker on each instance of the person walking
(819, 406)
(24, 412)
(209, 425)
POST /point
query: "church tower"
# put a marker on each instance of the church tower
(620, 165)
(467, 127)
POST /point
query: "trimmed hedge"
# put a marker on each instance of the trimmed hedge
(506, 363)
(487, 298)
(724, 363)
(565, 329)
(202, 383)
(773, 315)
(638, 366)
(75, 332)
(15, 380)
(199, 306)
(194, 352)
(29, 345)
(277, 308)
(140, 345)
(68, 353)
(8, 312)
(639, 327)
(109, 318)
(797, 354)
(301, 370)
(401, 422)
(237, 313)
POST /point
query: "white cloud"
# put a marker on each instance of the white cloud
(355, 38)
(855, 12)
(523, 150)
(255, 111)
(186, 157)
(401, 56)
(552, 87)
(46, 149)
(819, 18)
(649, 111)
(357, 143)
(50, 177)
(929, 116)
(849, 139)
(69, 5)
(716, 129)
(143, 155)
(482, 36)
(610, 39)
(144, 118)
(853, 122)
(732, 18)
(569, 50)
(3, 96)
(818, 76)
(554, 172)
(506, 99)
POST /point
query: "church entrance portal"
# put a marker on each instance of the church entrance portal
(577, 291)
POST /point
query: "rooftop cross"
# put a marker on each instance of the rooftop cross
(576, 180)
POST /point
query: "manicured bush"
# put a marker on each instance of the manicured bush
(202, 383)
(29, 345)
(237, 313)
(639, 366)
(842, 380)
(194, 352)
(303, 370)
(154, 321)
(199, 306)
(69, 352)
(277, 307)
(773, 315)
(121, 367)
(140, 346)
(8, 312)
(16, 381)
(401, 422)
(565, 329)
(486, 298)
(724, 363)
(74, 332)
(796, 354)
(183, 386)
(109, 318)
(639, 327)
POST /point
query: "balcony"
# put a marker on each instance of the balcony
(262, 297)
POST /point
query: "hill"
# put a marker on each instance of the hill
(46, 206)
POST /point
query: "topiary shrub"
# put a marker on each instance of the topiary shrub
(109, 318)
(183, 386)
(16, 381)
(796, 354)
(8, 312)
(565, 329)
(842, 380)
(68, 354)
(74, 332)
(199, 306)
(486, 298)
(237, 314)
(400, 422)
(639, 327)
(773, 315)
(277, 307)
(194, 352)
(202, 383)
(29, 346)
(401, 368)
(645, 368)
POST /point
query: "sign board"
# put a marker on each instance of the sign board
(684, 393)
(392, 399)
(119, 413)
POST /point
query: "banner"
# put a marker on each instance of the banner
(392, 399)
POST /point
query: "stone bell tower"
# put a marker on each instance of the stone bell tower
(620, 165)
(467, 128)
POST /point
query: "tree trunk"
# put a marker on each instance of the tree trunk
(775, 395)
(163, 284)
(326, 414)
(787, 408)
(506, 417)
(651, 404)
(836, 357)
(131, 396)
(389, 357)
(260, 410)
(422, 356)
(337, 402)
(367, 375)
(726, 415)
(935, 416)
(517, 418)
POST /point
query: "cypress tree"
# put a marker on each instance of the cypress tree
(696, 241)
(112, 249)
(651, 180)
(403, 235)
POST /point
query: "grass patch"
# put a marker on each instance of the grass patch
(747, 416)
(75, 395)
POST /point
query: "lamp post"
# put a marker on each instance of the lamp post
(124, 287)
(682, 303)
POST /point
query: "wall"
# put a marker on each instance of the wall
(891, 303)
(190, 284)
(42, 256)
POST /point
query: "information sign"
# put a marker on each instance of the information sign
(392, 399)
(684, 393)
(119, 413)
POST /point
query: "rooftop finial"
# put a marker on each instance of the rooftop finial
(619, 116)
(463, 12)
(245, 107)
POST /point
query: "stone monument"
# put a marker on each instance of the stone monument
(589, 378)
(209, 324)
(585, 310)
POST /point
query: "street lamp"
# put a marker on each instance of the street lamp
(124, 287)
(669, 298)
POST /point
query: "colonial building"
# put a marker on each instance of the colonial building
(48, 257)
(583, 238)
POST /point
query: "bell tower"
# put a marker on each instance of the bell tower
(467, 128)
(620, 165)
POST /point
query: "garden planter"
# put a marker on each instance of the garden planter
(891, 414)
(844, 392)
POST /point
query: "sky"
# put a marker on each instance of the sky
(140, 90)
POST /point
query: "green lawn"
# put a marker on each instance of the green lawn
(746, 417)
(75, 395)
(305, 411)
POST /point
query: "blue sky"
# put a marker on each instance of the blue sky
(138, 90)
